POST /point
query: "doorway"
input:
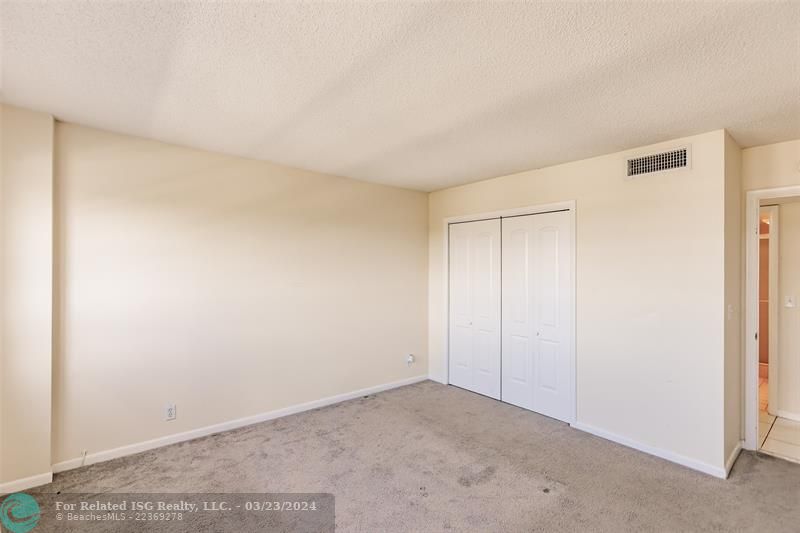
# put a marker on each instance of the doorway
(511, 307)
(768, 260)
(772, 377)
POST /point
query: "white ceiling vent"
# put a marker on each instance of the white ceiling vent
(648, 164)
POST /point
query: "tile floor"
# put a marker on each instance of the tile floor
(763, 393)
(783, 440)
(776, 436)
(765, 420)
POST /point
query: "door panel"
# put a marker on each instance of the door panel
(519, 366)
(517, 349)
(537, 265)
(460, 314)
(547, 365)
(475, 306)
(553, 394)
(547, 275)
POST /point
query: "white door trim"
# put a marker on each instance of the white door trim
(752, 209)
(570, 206)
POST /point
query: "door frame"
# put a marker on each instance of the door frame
(569, 205)
(752, 232)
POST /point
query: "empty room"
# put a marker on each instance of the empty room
(399, 266)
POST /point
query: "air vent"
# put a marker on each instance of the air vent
(648, 164)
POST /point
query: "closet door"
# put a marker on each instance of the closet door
(475, 306)
(537, 351)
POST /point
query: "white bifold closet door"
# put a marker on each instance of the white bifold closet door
(475, 306)
(537, 313)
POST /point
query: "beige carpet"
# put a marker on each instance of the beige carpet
(433, 458)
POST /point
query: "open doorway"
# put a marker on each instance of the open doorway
(774, 277)
(768, 241)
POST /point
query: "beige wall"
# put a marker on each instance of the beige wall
(231, 287)
(651, 291)
(734, 302)
(789, 318)
(772, 165)
(26, 193)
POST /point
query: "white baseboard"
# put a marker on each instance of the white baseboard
(26, 483)
(788, 414)
(437, 379)
(732, 458)
(694, 464)
(122, 451)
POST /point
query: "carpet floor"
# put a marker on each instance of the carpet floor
(428, 457)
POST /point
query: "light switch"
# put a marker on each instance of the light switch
(790, 302)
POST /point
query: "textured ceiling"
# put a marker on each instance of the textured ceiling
(419, 95)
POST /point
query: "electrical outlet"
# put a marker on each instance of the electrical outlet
(410, 359)
(170, 412)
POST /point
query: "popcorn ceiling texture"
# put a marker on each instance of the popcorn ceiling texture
(422, 95)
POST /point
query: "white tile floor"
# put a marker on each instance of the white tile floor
(783, 440)
(765, 421)
(777, 436)
(763, 393)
